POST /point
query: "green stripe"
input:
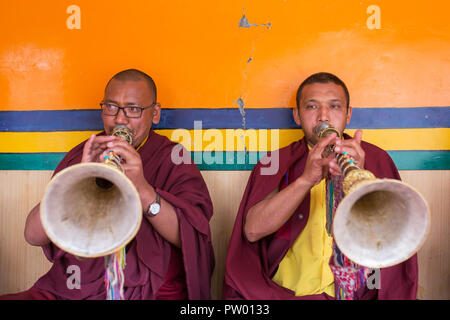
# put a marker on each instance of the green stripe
(30, 161)
(229, 161)
(421, 160)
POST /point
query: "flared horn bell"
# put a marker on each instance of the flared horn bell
(381, 223)
(91, 210)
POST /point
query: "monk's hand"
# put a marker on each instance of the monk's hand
(316, 165)
(131, 162)
(353, 148)
(94, 147)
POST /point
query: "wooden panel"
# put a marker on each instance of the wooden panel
(22, 264)
(434, 257)
(226, 190)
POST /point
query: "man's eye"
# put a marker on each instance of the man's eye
(311, 106)
(133, 109)
(111, 107)
(335, 106)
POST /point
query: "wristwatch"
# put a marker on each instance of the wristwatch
(155, 206)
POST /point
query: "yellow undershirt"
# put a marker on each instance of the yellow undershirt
(142, 143)
(305, 269)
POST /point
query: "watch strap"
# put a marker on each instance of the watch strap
(156, 201)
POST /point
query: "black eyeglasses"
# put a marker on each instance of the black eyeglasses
(110, 109)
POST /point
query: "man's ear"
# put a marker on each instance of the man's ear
(296, 115)
(349, 114)
(156, 116)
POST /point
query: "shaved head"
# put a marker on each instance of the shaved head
(323, 77)
(135, 75)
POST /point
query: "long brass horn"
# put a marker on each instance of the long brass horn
(92, 209)
(379, 222)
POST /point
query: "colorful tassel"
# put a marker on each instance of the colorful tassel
(348, 276)
(114, 278)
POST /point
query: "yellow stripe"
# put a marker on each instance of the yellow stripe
(21, 142)
(230, 139)
(407, 139)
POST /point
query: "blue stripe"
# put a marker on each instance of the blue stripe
(274, 118)
(229, 161)
(49, 120)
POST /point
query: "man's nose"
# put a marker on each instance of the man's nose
(121, 118)
(323, 114)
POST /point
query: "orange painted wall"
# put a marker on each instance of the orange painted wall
(198, 55)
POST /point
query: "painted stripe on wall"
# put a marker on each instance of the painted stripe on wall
(404, 160)
(229, 139)
(224, 118)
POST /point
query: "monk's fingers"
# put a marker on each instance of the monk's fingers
(351, 146)
(350, 150)
(357, 155)
(320, 146)
(94, 145)
(118, 142)
(355, 143)
(334, 168)
(90, 143)
(358, 136)
(130, 167)
(100, 154)
(125, 151)
(87, 149)
(330, 167)
(323, 163)
(101, 141)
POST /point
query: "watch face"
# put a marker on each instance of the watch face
(154, 208)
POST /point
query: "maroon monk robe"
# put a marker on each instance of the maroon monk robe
(250, 266)
(154, 268)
